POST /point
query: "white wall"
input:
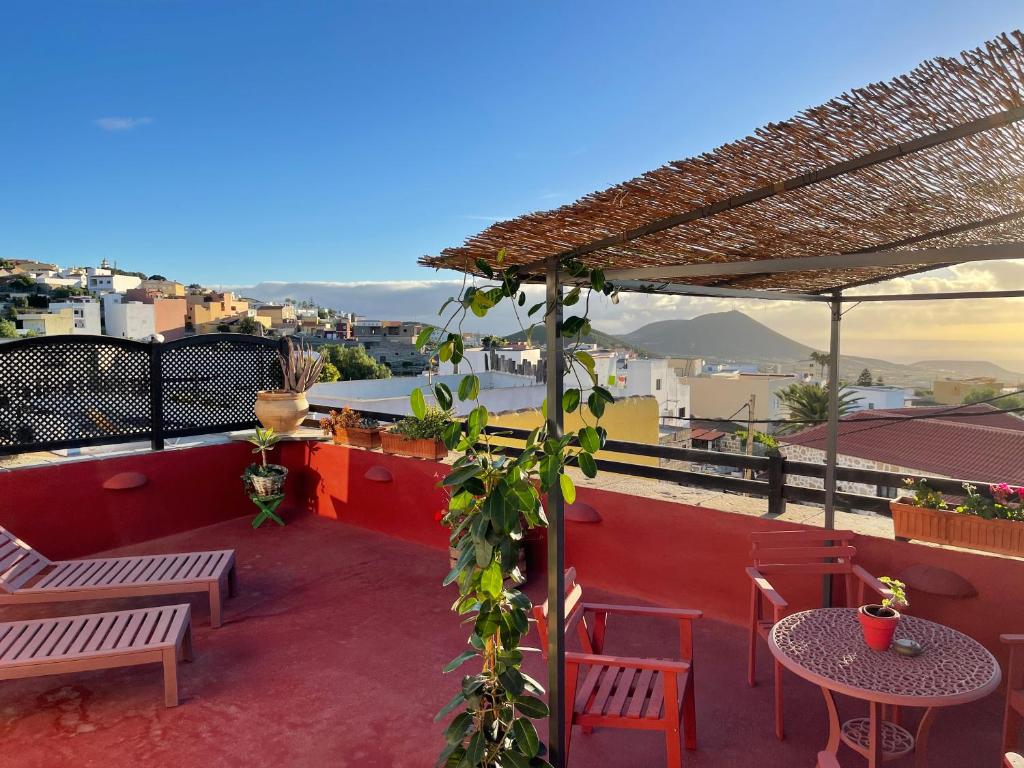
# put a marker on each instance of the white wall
(100, 284)
(655, 378)
(128, 319)
(877, 398)
(86, 314)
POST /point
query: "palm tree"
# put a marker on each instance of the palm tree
(822, 360)
(808, 404)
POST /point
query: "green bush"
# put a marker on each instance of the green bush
(431, 427)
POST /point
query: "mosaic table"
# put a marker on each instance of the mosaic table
(826, 647)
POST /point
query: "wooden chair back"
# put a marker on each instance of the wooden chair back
(802, 552)
(574, 618)
(19, 563)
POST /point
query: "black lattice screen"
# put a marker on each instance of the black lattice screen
(210, 382)
(69, 391)
(59, 391)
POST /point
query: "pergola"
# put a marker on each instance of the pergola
(922, 172)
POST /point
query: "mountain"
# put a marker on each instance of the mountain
(728, 336)
(595, 336)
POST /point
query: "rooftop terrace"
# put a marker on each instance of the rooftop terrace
(331, 653)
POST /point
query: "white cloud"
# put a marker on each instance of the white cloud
(121, 124)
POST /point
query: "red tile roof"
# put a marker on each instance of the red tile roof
(983, 446)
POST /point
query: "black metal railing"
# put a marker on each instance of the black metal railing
(76, 391)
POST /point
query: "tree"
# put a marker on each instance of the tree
(250, 325)
(157, 277)
(224, 327)
(808, 404)
(864, 380)
(822, 360)
(989, 395)
(879, 382)
(353, 363)
(330, 372)
(7, 330)
(492, 342)
(38, 301)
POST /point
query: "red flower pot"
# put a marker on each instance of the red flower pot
(878, 629)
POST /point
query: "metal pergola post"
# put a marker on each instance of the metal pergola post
(832, 440)
(556, 526)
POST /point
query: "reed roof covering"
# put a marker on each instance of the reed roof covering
(930, 159)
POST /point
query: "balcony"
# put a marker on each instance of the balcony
(331, 654)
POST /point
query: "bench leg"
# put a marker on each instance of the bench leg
(171, 677)
(689, 714)
(187, 654)
(215, 605)
(233, 581)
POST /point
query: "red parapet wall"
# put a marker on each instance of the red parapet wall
(652, 549)
(64, 511)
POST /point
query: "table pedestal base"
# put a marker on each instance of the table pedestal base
(875, 738)
(896, 740)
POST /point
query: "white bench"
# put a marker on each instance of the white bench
(99, 641)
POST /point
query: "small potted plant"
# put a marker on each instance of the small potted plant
(419, 437)
(351, 428)
(263, 479)
(284, 410)
(879, 621)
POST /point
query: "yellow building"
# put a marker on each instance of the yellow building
(953, 391)
(277, 314)
(630, 419)
(211, 307)
(48, 323)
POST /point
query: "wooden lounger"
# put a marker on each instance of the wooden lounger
(28, 577)
(99, 641)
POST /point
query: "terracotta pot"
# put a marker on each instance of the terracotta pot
(357, 436)
(281, 411)
(941, 526)
(878, 630)
(400, 445)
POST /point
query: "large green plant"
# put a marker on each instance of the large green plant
(808, 404)
(495, 496)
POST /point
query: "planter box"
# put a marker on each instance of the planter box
(418, 448)
(453, 557)
(357, 437)
(941, 526)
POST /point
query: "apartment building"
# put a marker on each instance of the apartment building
(214, 306)
(56, 323)
(101, 281)
(128, 319)
(85, 311)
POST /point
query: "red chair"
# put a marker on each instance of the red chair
(827, 760)
(805, 553)
(1013, 718)
(621, 692)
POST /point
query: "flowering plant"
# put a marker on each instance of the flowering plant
(924, 494)
(1007, 502)
(346, 418)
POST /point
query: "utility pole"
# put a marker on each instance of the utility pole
(748, 473)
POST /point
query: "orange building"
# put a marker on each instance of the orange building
(169, 314)
(211, 307)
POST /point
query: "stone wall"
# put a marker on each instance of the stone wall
(817, 456)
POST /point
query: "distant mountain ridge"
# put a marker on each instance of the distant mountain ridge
(733, 337)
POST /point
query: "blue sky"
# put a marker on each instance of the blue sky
(233, 143)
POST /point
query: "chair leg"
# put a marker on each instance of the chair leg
(1012, 722)
(689, 714)
(779, 731)
(233, 581)
(673, 753)
(171, 677)
(752, 658)
(215, 605)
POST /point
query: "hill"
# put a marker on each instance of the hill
(600, 338)
(728, 336)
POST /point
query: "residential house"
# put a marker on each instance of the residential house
(128, 319)
(953, 391)
(214, 306)
(876, 398)
(169, 312)
(975, 442)
(727, 395)
(101, 281)
(85, 311)
(277, 314)
(56, 323)
(653, 377)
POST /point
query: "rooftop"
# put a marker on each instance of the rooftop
(974, 443)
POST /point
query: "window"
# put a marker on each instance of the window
(887, 492)
(682, 413)
(657, 384)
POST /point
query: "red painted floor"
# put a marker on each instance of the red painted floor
(330, 656)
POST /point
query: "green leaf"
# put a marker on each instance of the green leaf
(490, 580)
(459, 660)
(534, 309)
(424, 336)
(597, 279)
(451, 705)
(531, 706)
(515, 760)
(522, 298)
(587, 464)
(571, 297)
(445, 351)
(475, 748)
(590, 441)
(464, 559)
(568, 489)
(570, 400)
(477, 421)
(595, 404)
(501, 255)
(469, 387)
(526, 736)
(512, 681)
(456, 730)
(419, 405)
(604, 394)
(462, 474)
(443, 395)
(586, 360)
(484, 267)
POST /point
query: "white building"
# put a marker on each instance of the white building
(641, 377)
(100, 281)
(128, 319)
(876, 398)
(86, 312)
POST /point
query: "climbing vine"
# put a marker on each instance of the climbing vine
(495, 496)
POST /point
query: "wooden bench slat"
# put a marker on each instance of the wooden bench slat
(657, 697)
(47, 648)
(604, 691)
(623, 686)
(640, 693)
(587, 689)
